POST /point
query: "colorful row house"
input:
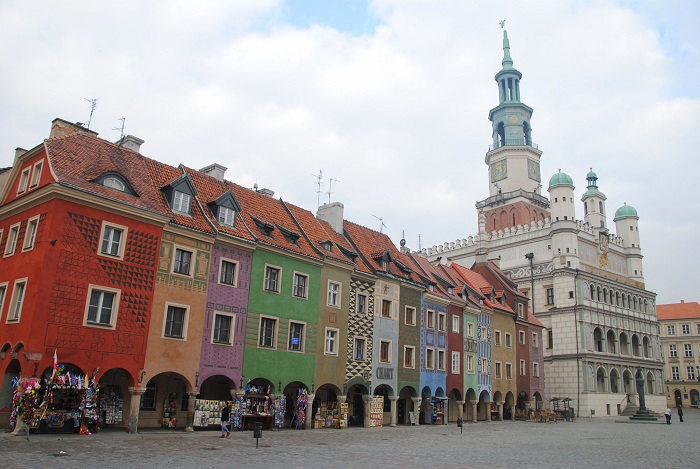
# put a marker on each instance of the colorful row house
(185, 289)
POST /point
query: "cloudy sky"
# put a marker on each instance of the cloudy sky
(389, 98)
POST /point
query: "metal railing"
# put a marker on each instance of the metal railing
(513, 142)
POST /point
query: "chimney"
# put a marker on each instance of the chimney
(682, 301)
(214, 170)
(266, 192)
(19, 152)
(61, 128)
(131, 143)
(333, 214)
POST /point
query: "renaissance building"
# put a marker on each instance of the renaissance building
(584, 276)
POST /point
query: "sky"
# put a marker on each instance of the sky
(387, 99)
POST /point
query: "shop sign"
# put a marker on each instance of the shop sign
(385, 373)
(470, 345)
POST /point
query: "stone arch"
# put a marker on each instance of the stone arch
(614, 381)
(405, 404)
(483, 406)
(454, 397)
(599, 292)
(538, 400)
(635, 346)
(114, 385)
(503, 218)
(601, 380)
(509, 406)
(598, 339)
(624, 344)
(217, 388)
(628, 381)
(646, 347)
(592, 292)
(610, 341)
(650, 383)
(18, 346)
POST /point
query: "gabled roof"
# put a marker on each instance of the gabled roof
(375, 247)
(79, 159)
(685, 310)
(273, 212)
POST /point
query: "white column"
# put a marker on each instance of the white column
(134, 407)
(393, 400)
(309, 410)
(367, 399)
(500, 411)
(190, 411)
(416, 408)
(474, 405)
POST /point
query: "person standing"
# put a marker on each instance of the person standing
(680, 412)
(225, 417)
(667, 414)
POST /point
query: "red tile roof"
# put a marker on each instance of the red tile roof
(685, 310)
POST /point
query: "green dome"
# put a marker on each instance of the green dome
(561, 179)
(591, 175)
(626, 211)
(593, 191)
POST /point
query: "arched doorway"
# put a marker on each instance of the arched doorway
(292, 391)
(12, 371)
(356, 405)
(678, 397)
(601, 385)
(694, 397)
(614, 381)
(508, 408)
(115, 398)
(385, 391)
(165, 402)
(470, 399)
(629, 382)
(426, 410)
(405, 405)
(538, 401)
(217, 387)
(452, 406)
(483, 407)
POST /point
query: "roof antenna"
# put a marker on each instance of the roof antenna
(121, 130)
(93, 105)
(330, 185)
(318, 192)
(382, 226)
(420, 247)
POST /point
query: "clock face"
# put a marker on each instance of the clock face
(513, 119)
(499, 170)
(533, 170)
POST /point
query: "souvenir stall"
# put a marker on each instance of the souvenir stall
(61, 403)
(438, 404)
(279, 405)
(207, 413)
(301, 405)
(111, 403)
(376, 411)
(257, 407)
(331, 415)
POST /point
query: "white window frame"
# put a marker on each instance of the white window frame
(389, 346)
(521, 310)
(226, 216)
(122, 240)
(3, 295)
(442, 360)
(36, 174)
(412, 364)
(498, 370)
(358, 303)
(23, 180)
(274, 331)
(232, 316)
(442, 322)
(685, 329)
(455, 323)
(302, 339)
(672, 351)
(406, 321)
(12, 238)
(115, 183)
(185, 200)
(509, 370)
(509, 340)
(484, 334)
(469, 363)
(535, 369)
(391, 308)
(185, 321)
(30, 233)
(675, 373)
(535, 340)
(484, 365)
(470, 329)
(14, 312)
(455, 363)
(430, 319)
(221, 271)
(523, 368)
(521, 337)
(190, 272)
(364, 348)
(295, 285)
(688, 350)
(497, 338)
(331, 341)
(430, 358)
(278, 281)
(690, 372)
(115, 307)
(670, 329)
(334, 294)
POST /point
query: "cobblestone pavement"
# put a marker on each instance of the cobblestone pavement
(596, 442)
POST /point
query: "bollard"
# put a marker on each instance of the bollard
(257, 433)
(460, 424)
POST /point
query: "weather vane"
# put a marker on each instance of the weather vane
(503, 24)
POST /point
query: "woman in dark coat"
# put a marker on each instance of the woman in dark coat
(680, 413)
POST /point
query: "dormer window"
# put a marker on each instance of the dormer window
(181, 202)
(289, 235)
(385, 265)
(327, 246)
(114, 183)
(264, 227)
(449, 290)
(226, 216)
(431, 287)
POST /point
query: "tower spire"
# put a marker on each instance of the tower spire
(507, 60)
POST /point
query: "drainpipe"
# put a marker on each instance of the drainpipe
(530, 256)
(578, 362)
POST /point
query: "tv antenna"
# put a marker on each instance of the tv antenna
(420, 247)
(318, 176)
(330, 185)
(120, 129)
(93, 105)
(381, 221)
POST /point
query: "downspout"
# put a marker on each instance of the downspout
(578, 362)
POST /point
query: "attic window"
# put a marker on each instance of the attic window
(464, 295)
(431, 287)
(264, 227)
(449, 290)
(114, 183)
(227, 216)
(327, 246)
(347, 253)
(289, 235)
(181, 202)
(385, 265)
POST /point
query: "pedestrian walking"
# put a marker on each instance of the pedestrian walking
(225, 417)
(667, 414)
(680, 412)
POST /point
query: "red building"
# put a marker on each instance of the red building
(80, 229)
